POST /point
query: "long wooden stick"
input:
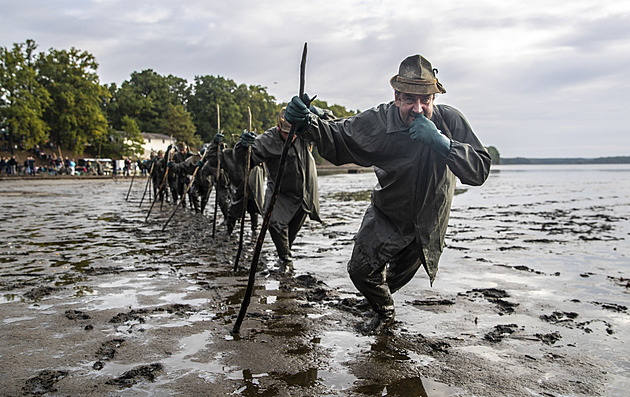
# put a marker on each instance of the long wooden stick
(216, 192)
(147, 185)
(267, 217)
(244, 199)
(131, 184)
(205, 199)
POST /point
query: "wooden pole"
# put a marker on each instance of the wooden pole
(147, 185)
(267, 217)
(216, 192)
(244, 200)
(131, 184)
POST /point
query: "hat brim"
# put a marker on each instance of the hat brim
(417, 87)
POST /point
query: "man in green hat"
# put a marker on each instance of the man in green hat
(417, 149)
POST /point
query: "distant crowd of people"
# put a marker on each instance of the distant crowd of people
(39, 162)
(56, 166)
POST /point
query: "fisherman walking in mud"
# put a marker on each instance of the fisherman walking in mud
(207, 175)
(157, 173)
(417, 149)
(178, 179)
(235, 169)
(298, 195)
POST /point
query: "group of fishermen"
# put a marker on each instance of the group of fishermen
(224, 168)
(417, 148)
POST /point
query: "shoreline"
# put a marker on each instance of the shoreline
(321, 170)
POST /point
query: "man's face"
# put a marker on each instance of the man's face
(411, 104)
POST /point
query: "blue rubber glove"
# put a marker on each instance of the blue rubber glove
(199, 163)
(218, 137)
(170, 164)
(422, 129)
(297, 113)
(248, 138)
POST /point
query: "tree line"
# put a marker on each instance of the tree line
(55, 98)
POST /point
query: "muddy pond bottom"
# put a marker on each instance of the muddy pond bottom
(530, 298)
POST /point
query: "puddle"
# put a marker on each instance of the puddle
(341, 346)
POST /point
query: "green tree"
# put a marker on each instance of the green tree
(234, 101)
(178, 124)
(146, 97)
(208, 92)
(262, 105)
(122, 143)
(22, 98)
(133, 141)
(75, 116)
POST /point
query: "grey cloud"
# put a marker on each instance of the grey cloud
(527, 101)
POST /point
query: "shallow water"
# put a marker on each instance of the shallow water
(555, 238)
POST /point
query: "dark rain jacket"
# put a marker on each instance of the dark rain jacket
(178, 177)
(208, 172)
(298, 188)
(415, 184)
(159, 168)
(186, 167)
(255, 184)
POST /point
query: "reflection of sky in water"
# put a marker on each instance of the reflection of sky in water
(342, 347)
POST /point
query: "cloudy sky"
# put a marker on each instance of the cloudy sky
(535, 79)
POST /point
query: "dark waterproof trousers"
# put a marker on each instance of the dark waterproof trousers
(284, 235)
(377, 286)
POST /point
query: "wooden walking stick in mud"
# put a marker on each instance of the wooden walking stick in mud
(192, 179)
(272, 202)
(131, 184)
(147, 185)
(164, 179)
(244, 199)
(216, 188)
(205, 199)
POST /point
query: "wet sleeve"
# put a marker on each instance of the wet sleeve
(468, 159)
(347, 141)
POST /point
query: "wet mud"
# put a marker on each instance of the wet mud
(530, 299)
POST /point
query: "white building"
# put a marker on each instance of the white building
(154, 142)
